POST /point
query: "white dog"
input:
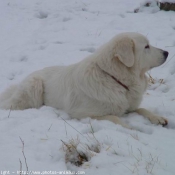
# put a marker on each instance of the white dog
(103, 86)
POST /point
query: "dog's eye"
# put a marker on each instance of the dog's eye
(147, 47)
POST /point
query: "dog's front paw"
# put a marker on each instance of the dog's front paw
(159, 120)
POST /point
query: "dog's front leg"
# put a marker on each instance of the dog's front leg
(113, 119)
(155, 119)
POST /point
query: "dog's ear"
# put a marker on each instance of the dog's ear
(125, 51)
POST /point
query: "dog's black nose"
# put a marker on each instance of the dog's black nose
(165, 53)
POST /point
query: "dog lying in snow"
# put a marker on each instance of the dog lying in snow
(103, 86)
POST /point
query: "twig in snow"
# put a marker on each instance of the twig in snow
(10, 111)
(93, 132)
(50, 127)
(65, 128)
(24, 155)
(20, 167)
(74, 128)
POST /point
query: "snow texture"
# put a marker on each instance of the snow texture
(39, 33)
(170, 1)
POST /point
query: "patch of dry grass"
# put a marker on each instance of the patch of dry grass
(78, 153)
(152, 80)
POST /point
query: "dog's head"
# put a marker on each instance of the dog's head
(134, 49)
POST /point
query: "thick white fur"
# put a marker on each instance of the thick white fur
(85, 90)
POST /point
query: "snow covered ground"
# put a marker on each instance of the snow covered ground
(39, 33)
(170, 1)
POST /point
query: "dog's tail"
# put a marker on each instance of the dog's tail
(28, 94)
